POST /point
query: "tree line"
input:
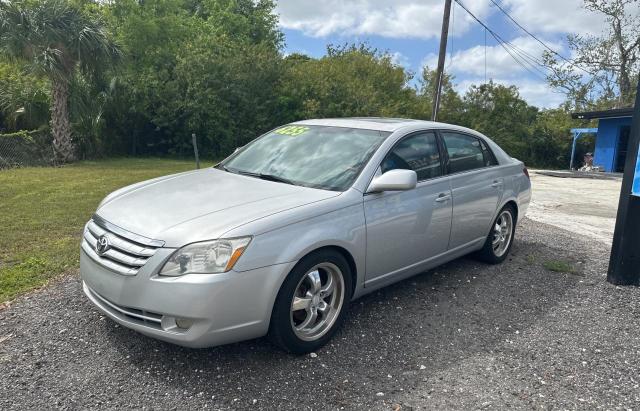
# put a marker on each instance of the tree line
(139, 77)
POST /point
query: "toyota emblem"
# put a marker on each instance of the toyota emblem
(102, 245)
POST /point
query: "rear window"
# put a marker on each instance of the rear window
(466, 152)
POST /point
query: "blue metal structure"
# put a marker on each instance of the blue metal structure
(577, 133)
(608, 144)
(612, 137)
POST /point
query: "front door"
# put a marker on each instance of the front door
(406, 228)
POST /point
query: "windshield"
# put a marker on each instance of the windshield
(314, 156)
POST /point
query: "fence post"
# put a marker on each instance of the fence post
(194, 140)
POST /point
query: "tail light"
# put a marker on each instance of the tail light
(526, 172)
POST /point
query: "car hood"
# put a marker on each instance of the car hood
(201, 205)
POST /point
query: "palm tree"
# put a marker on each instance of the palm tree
(57, 40)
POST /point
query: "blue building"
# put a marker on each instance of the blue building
(612, 138)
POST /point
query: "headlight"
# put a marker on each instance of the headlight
(207, 257)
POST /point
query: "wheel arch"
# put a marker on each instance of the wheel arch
(285, 338)
(508, 202)
(347, 256)
(352, 264)
(514, 205)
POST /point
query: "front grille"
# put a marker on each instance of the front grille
(126, 253)
(147, 318)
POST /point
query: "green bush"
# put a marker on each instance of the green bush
(24, 98)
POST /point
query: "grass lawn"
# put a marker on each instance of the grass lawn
(43, 211)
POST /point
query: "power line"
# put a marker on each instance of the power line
(533, 61)
(537, 39)
(520, 59)
(508, 47)
(527, 58)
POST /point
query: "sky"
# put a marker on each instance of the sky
(409, 30)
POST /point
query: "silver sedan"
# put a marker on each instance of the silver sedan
(279, 237)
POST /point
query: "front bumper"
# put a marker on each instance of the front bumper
(223, 308)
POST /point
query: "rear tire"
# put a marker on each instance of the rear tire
(500, 239)
(311, 303)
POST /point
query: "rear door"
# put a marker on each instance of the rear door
(405, 228)
(476, 184)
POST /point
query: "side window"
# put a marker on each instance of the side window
(418, 153)
(465, 152)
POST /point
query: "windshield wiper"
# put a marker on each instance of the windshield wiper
(272, 177)
(263, 176)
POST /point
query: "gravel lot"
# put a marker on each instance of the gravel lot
(466, 335)
(587, 207)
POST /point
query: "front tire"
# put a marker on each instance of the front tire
(311, 303)
(499, 241)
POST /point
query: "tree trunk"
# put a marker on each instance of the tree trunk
(624, 83)
(60, 125)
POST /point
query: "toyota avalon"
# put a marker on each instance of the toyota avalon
(279, 237)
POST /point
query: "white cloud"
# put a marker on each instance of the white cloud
(387, 18)
(399, 59)
(538, 93)
(555, 16)
(423, 19)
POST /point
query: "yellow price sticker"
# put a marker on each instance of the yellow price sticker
(291, 130)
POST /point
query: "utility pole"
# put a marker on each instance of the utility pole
(624, 265)
(441, 56)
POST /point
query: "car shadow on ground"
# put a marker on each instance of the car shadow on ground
(391, 340)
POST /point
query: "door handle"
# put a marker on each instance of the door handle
(443, 197)
(496, 184)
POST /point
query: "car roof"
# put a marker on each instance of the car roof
(373, 123)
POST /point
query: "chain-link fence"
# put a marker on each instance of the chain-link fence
(25, 148)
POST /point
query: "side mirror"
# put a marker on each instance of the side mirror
(394, 180)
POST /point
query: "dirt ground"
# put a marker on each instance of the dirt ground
(581, 205)
(465, 336)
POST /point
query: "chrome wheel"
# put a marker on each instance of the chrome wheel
(317, 301)
(502, 233)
